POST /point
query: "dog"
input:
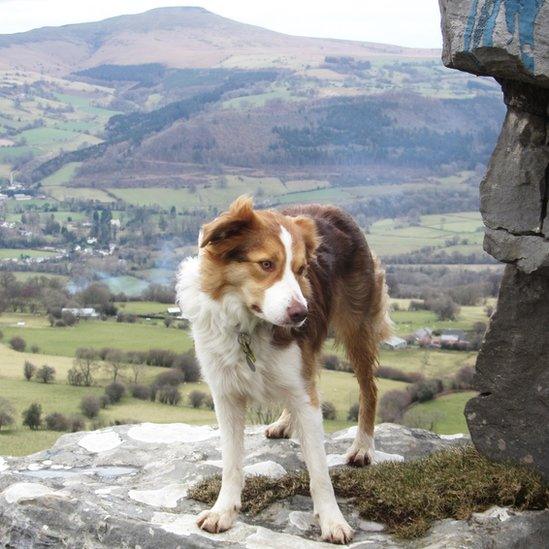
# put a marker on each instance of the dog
(261, 295)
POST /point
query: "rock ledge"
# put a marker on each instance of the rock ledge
(126, 487)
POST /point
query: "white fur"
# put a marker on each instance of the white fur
(277, 379)
(278, 297)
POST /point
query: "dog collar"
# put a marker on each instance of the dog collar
(244, 340)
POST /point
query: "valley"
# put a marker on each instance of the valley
(120, 138)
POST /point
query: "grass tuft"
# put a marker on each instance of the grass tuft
(407, 497)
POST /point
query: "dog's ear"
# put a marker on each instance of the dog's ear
(236, 221)
(307, 226)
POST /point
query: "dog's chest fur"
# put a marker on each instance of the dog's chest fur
(215, 328)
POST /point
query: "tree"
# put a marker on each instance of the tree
(57, 422)
(393, 405)
(115, 362)
(32, 416)
(445, 308)
(90, 406)
(169, 395)
(7, 413)
(196, 398)
(328, 410)
(18, 344)
(115, 391)
(45, 374)
(84, 367)
(352, 415)
(330, 362)
(29, 370)
(137, 369)
(96, 295)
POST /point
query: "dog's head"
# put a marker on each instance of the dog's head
(262, 256)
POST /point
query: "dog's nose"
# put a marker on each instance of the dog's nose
(297, 312)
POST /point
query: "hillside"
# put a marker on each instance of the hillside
(119, 138)
(180, 37)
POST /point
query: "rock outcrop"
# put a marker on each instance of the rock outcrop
(126, 487)
(509, 40)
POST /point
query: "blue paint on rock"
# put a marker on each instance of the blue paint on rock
(519, 14)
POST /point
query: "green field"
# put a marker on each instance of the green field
(143, 307)
(445, 413)
(431, 363)
(166, 198)
(59, 345)
(212, 195)
(258, 100)
(407, 322)
(51, 138)
(95, 333)
(23, 276)
(386, 237)
(54, 115)
(61, 216)
(340, 388)
(61, 176)
(16, 253)
(78, 193)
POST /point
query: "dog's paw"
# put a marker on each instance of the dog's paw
(216, 521)
(336, 531)
(278, 429)
(360, 455)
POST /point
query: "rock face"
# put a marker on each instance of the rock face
(501, 38)
(509, 417)
(509, 40)
(126, 487)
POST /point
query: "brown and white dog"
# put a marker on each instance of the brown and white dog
(261, 296)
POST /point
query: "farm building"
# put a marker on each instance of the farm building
(423, 333)
(394, 343)
(174, 311)
(83, 312)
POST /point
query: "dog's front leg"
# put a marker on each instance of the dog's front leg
(230, 414)
(308, 424)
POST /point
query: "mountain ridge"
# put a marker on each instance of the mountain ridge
(179, 37)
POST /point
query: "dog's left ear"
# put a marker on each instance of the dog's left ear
(232, 223)
(308, 229)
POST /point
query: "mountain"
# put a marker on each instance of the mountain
(204, 108)
(179, 37)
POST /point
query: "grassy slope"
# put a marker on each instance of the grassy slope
(445, 411)
(95, 333)
(337, 387)
(407, 322)
(143, 307)
(10, 253)
(386, 237)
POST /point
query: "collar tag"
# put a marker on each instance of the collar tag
(244, 340)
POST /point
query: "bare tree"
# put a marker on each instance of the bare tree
(138, 370)
(115, 363)
(85, 366)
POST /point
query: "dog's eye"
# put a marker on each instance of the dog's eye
(301, 270)
(267, 265)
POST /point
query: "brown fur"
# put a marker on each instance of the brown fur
(343, 283)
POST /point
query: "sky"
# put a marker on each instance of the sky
(413, 23)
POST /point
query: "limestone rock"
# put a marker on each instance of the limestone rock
(509, 40)
(508, 420)
(502, 38)
(126, 487)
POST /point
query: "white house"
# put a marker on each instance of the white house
(81, 312)
(394, 342)
(175, 311)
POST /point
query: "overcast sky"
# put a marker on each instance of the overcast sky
(404, 22)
